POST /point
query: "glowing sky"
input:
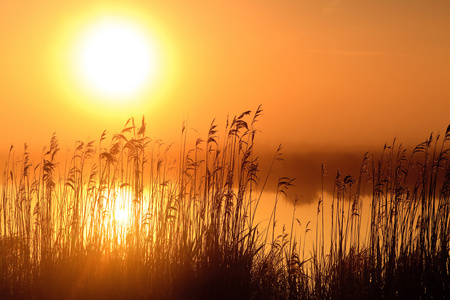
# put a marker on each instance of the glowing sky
(329, 74)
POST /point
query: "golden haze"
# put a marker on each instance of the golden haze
(338, 73)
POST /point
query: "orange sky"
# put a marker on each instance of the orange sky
(329, 74)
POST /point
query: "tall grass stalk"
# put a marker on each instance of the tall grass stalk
(123, 217)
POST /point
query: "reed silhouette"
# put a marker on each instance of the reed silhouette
(190, 229)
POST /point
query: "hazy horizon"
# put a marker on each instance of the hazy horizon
(328, 74)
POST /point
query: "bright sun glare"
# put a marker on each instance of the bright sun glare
(115, 58)
(121, 215)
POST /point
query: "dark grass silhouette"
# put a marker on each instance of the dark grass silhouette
(192, 232)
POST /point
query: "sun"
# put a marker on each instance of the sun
(120, 209)
(115, 58)
(121, 215)
(112, 60)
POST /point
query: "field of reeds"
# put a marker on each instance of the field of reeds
(127, 217)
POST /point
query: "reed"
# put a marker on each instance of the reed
(406, 252)
(124, 217)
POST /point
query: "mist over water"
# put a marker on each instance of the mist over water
(306, 168)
